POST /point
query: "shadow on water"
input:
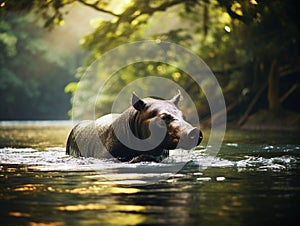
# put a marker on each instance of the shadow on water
(253, 181)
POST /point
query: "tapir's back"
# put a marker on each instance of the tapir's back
(105, 121)
(85, 138)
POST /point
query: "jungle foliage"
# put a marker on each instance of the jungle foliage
(251, 46)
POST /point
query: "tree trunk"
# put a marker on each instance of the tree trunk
(205, 19)
(252, 104)
(273, 88)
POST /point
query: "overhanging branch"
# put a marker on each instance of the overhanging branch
(96, 7)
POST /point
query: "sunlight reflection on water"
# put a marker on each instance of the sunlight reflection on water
(249, 179)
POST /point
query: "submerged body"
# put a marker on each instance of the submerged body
(145, 131)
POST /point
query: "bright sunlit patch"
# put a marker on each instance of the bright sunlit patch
(95, 22)
(29, 187)
(203, 179)
(127, 218)
(253, 2)
(97, 206)
(19, 214)
(127, 2)
(232, 145)
(50, 189)
(128, 208)
(120, 190)
(198, 174)
(82, 41)
(46, 224)
(80, 207)
(176, 76)
(161, 69)
(136, 13)
(88, 190)
(227, 29)
(237, 8)
(220, 178)
(158, 41)
(134, 22)
(59, 22)
(119, 6)
(2, 4)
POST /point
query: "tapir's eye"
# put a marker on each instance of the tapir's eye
(166, 117)
(153, 114)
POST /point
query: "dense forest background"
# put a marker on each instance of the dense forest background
(251, 46)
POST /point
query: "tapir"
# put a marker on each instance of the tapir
(146, 131)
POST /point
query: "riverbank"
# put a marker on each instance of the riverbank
(265, 120)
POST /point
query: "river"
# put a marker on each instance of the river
(254, 180)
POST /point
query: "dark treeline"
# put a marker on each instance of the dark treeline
(33, 75)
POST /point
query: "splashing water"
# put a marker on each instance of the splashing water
(54, 159)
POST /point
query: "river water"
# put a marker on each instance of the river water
(254, 180)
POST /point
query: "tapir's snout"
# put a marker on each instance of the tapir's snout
(195, 136)
(190, 137)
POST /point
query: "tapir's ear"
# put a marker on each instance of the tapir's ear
(137, 103)
(176, 98)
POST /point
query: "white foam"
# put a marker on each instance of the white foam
(54, 158)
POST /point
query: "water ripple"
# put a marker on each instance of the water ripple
(54, 158)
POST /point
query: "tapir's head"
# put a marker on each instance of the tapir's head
(158, 118)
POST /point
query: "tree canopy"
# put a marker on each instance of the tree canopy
(252, 46)
(32, 75)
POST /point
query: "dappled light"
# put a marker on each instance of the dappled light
(227, 28)
(251, 166)
(239, 43)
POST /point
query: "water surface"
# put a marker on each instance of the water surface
(254, 180)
